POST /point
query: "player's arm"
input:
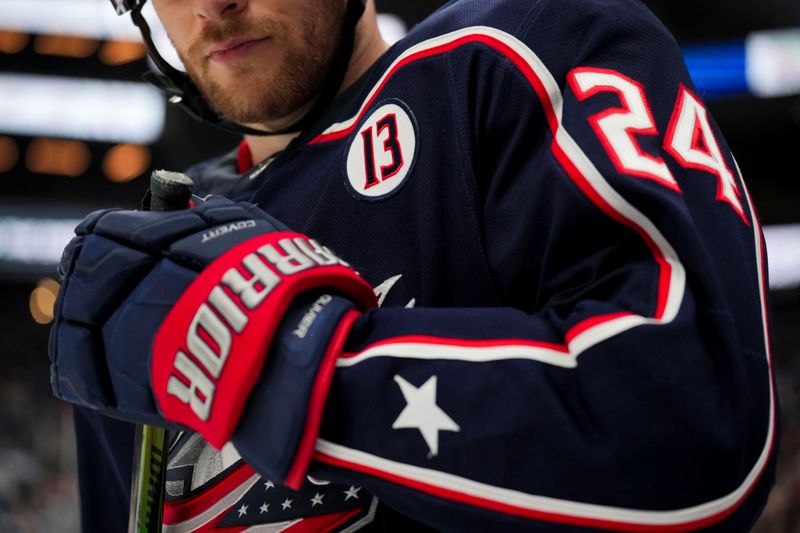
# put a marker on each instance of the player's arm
(627, 385)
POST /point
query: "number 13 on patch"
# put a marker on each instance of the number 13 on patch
(382, 152)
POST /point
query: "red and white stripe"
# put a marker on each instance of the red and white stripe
(199, 513)
(481, 351)
(671, 288)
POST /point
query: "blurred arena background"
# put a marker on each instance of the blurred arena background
(79, 130)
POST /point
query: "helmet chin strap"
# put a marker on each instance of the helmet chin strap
(181, 89)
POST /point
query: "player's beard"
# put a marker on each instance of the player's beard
(262, 93)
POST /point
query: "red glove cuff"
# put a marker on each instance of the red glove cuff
(210, 349)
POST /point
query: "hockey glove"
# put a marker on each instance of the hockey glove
(171, 316)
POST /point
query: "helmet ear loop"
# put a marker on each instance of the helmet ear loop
(168, 70)
(178, 86)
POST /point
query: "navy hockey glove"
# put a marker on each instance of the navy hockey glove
(170, 316)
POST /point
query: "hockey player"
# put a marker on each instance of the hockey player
(569, 325)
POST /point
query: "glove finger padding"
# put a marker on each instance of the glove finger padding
(118, 277)
(123, 276)
(143, 310)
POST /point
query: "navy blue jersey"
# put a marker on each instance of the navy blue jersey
(573, 331)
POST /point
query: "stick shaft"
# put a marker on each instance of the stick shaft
(147, 501)
(170, 191)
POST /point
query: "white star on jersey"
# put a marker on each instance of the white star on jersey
(352, 492)
(287, 504)
(317, 499)
(422, 413)
(242, 510)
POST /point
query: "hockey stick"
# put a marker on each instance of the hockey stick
(169, 191)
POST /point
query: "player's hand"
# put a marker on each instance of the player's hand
(168, 317)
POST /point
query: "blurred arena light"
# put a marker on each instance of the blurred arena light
(121, 52)
(9, 154)
(91, 19)
(34, 241)
(84, 18)
(125, 162)
(764, 64)
(12, 42)
(77, 108)
(773, 62)
(65, 46)
(392, 27)
(783, 248)
(43, 299)
(59, 157)
(719, 69)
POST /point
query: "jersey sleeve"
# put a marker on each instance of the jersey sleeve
(625, 383)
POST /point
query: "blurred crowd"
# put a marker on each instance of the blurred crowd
(38, 484)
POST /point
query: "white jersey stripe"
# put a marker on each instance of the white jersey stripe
(474, 354)
(520, 503)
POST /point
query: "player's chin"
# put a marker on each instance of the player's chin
(242, 109)
(227, 97)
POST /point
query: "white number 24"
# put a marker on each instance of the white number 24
(689, 139)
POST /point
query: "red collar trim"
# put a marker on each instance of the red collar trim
(244, 157)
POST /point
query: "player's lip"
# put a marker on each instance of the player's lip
(227, 51)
